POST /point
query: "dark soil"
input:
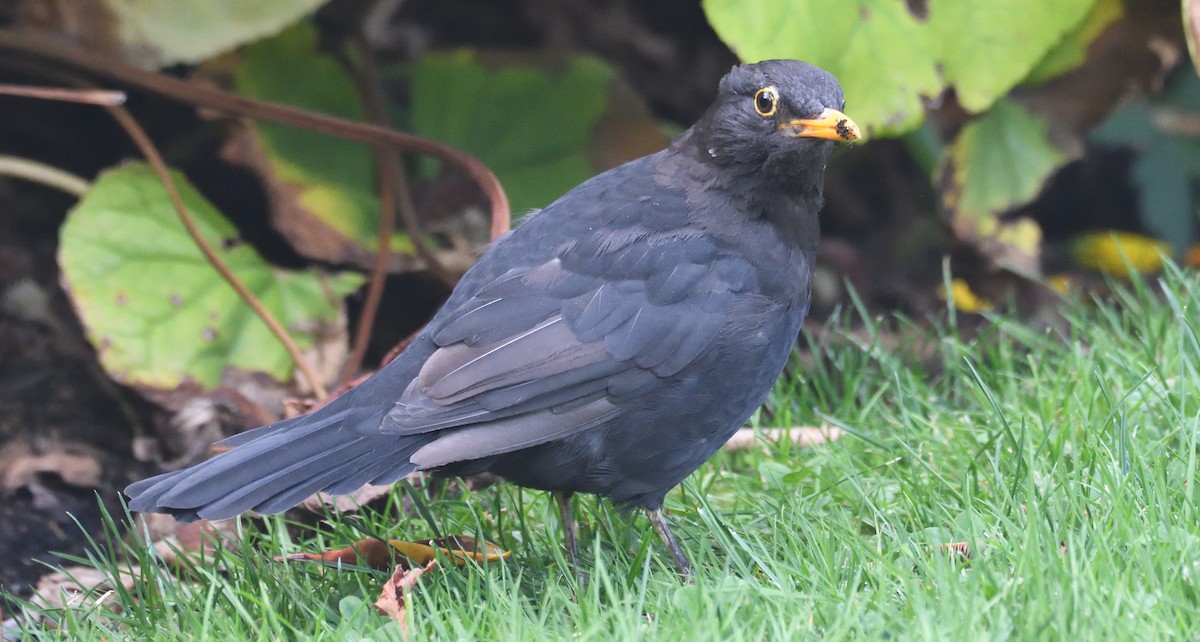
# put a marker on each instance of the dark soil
(52, 393)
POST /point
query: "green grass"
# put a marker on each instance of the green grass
(1065, 458)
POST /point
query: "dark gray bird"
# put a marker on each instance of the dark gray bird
(609, 345)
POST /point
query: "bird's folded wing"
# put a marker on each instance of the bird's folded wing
(544, 352)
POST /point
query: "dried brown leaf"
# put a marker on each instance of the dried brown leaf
(307, 232)
(80, 587)
(391, 600)
(378, 553)
(371, 552)
(22, 462)
(958, 550)
(346, 503)
(196, 540)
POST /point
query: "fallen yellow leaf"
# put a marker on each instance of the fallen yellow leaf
(1119, 253)
(965, 299)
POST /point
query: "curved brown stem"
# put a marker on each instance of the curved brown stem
(393, 193)
(390, 193)
(233, 104)
(391, 169)
(142, 140)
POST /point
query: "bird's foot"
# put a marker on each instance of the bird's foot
(570, 534)
(659, 521)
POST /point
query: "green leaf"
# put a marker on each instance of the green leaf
(1072, 50)
(354, 612)
(876, 49)
(987, 47)
(530, 127)
(327, 185)
(773, 473)
(998, 161)
(155, 309)
(157, 33)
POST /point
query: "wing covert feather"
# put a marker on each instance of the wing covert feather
(546, 350)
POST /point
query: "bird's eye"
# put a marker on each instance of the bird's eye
(766, 101)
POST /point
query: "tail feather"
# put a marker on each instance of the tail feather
(297, 493)
(312, 469)
(295, 423)
(399, 469)
(145, 494)
(256, 459)
(253, 463)
(273, 468)
(396, 460)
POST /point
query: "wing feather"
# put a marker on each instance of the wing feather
(545, 351)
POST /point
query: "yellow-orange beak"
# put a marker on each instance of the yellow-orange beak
(830, 125)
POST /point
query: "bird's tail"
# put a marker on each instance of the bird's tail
(272, 468)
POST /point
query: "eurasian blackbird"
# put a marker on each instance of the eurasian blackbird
(609, 345)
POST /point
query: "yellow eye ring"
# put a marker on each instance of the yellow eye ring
(766, 102)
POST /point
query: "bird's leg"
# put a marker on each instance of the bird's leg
(570, 531)
(664, 531)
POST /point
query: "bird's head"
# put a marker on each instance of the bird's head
(776, 117)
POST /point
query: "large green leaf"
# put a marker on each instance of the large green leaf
(320, 185)
(156, 310)
(986, 47)
(876, 49)
(531, 127)
(157, 33)
(998, 161)
(887, 60)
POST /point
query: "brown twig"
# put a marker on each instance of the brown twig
(393, 192)
(217, 100)
(389, 195)
(102, 97)
(142, 140)
(150, 151)
(391, 169)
